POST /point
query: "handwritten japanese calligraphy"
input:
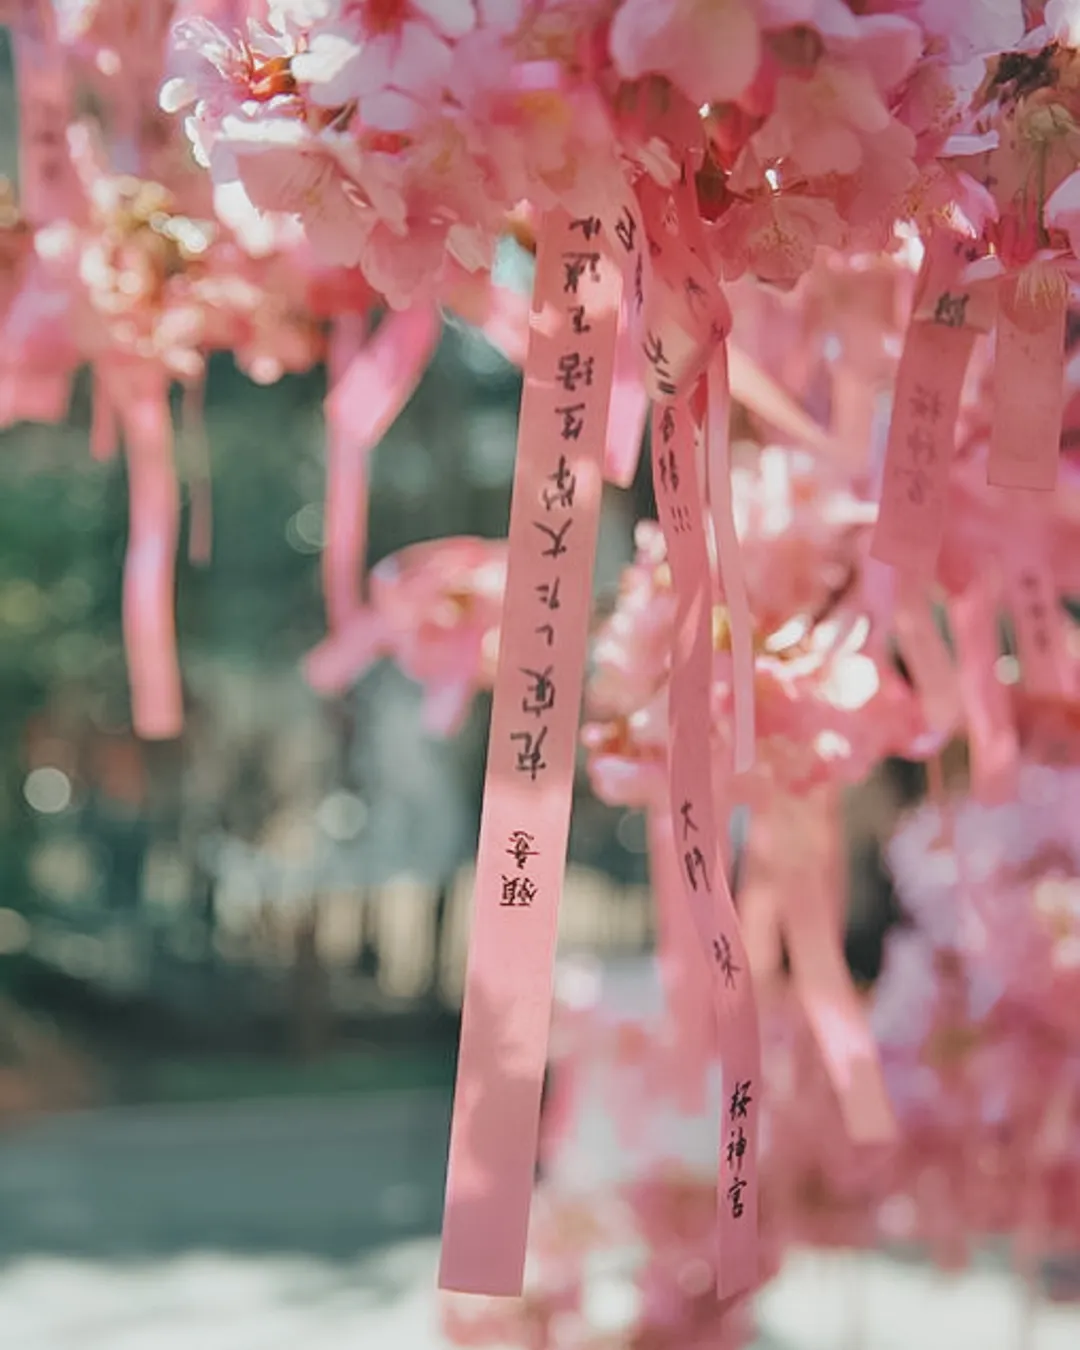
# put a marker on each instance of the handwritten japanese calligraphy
(554, 518)
(694, 819)
(920, 449)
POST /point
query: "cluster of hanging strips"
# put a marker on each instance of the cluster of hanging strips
(825, 249)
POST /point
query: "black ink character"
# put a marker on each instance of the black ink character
(541, 694)
(531, 760)
(694, 861)
(951, 310)
(740, 1101)
(548, 591)
(736, 1149)
(657, 358)
(734, 1194)
(573, 424)
(558, 547)
(695, 294)
(722, 954)
(926, 403)
(517, 892)
(574, 371)
(669, 470)
(686, 811)
(918, 488)
(921, 445)
(578, 265)
(565, 480)
(626, 230)
(521, 848)
(548, 629)
(577, 320)
(588, 225)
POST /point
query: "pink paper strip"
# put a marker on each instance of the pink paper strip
(729, 558)
(46, 178)
(696, 825)
(1029, 389)
(993, 750)
(927, 658)
(34, 396)
(683, 974)
(200, 485)
(149, 568)
(1035, 605)
(346, 492)
(759, 908)
(629, 403)
(104, 429)
(554, 517)
(374, 388)
(915, 487)
(370, 386)
(806, 842)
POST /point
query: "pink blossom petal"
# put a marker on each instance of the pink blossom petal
(423, 60)
(452, 18)
(390, 110)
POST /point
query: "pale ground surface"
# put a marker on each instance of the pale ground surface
(308, 1225)
(239, 1228)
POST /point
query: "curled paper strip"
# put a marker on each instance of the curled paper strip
(696, 825)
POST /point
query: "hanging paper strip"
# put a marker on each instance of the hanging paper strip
(371, 383)
(729, 558)
(927, 657)
(915, 484)
(346, 512)
(1029, 386)
(46, 178)
(697, 840)
(683, 974)
(915, 487)
(554, 517)
(992, 741)
(689, 322)
(199, 475)
(150, 565)
(629, 402)
(806, 842)
(48, 190)
(104, 428)
(1039, 621)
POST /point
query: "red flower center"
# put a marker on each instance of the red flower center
(385, 16)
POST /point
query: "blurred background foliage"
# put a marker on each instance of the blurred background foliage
(278, 901)
(173, 897)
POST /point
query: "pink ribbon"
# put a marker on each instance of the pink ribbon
(157, 701)
(370, 385)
